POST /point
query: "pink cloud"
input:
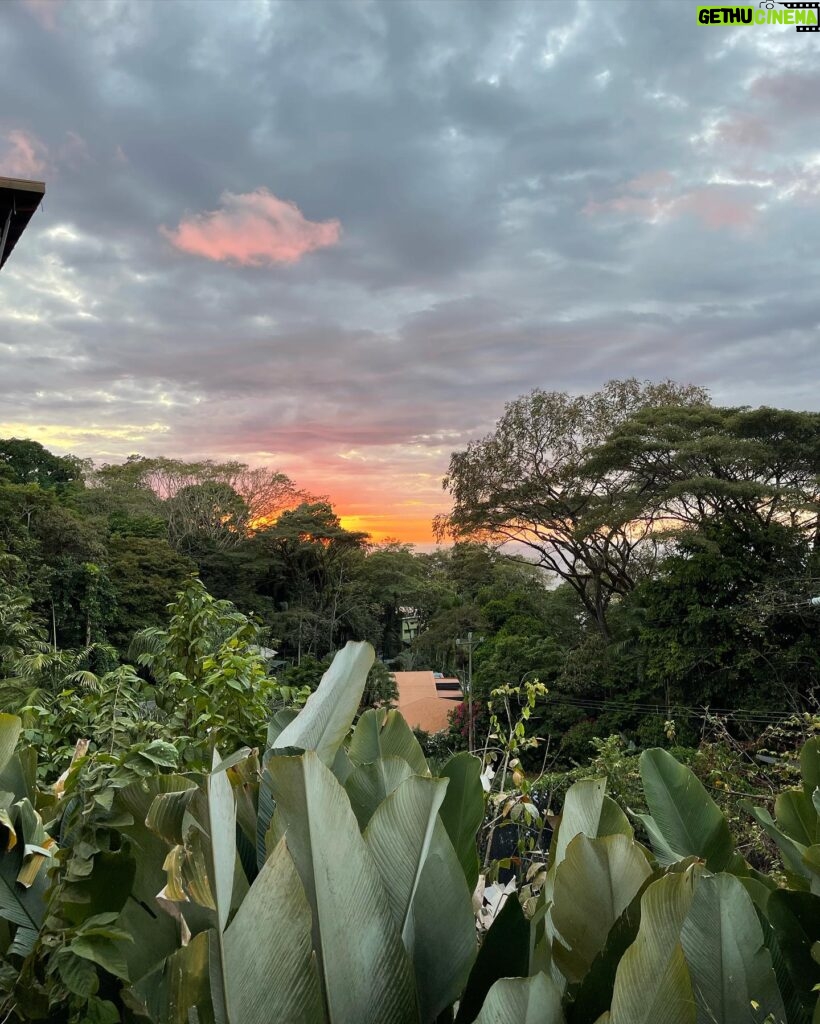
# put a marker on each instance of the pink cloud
(23, 156)
(45, 11)
(252, 229)
(651, 180)
(792, 92)
(716, 206)
(745, 130)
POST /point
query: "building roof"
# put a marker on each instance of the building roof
(425, 701)
(18, 201)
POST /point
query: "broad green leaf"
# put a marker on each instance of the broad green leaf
(107, 953)
(795, 919)
(533, 1000)
(652, 984)
(443, 928)
(270, 968)
(369, 784)
(594, 884)
(684, 819)
(179, 991)
(730, 968)
(463, 810)
(504, 953)
(796, 816)
(588, 811)
(381, 733)
(399, 835)
(792, 852)
(594, 995)
(156, 933)
(324, 721)
(10, 728)
(222, 847)
(366, 973)
(810, 765)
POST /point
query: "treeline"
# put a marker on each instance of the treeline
(664, 555)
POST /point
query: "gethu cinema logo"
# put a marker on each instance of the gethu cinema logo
(804, 16)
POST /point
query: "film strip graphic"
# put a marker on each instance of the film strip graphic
(813, 5)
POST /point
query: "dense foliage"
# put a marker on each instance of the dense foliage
(159, 615)
(330, 880)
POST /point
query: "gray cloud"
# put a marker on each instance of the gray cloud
(528, 193)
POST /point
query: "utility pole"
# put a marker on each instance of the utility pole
(470, 645)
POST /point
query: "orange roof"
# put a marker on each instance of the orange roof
(421, 703)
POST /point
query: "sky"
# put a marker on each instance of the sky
(335, 238)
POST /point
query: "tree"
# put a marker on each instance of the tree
(710, 635)
(146, 575)
(686, 465)
(28, 462)
(528, 482)
(312, 559)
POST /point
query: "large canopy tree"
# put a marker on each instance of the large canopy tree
(528, 482)
(687, 465)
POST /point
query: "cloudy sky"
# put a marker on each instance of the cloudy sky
(337, 237)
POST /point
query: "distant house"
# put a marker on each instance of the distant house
(425, 699)
(18, 201)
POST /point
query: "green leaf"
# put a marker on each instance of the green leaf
(107, 953)
(10, 728)
(730, 968)
(583, 808)
(594, 995)
(505, 953)
(77, 974)
(222, 847)
(652, 984)
(325, 720)
(795, 919)
(369, 784)
(796, 816)
(270, 968)
(381, 733)
(156, 933)
(443, 940)
(522, 1001)
(792, 852)
(463, 811)
(684, 820)
(161, 753)
(366, 973)
(399, 835)
(594, 884)
(810, 765)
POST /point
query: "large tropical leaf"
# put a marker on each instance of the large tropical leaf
(594, 884)
(10, 728)
(684, 820)
(270, 967)
(381, 733)
(463, 810)
(369, 784)
(588, 811)
(443, 935)
(365, 971)
(795, 919)
(594, 995)
(731, 970)
(399, 835)
(533, 1000)
(324, 721)
(505, 953)
(156, 933)
(652, 984)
